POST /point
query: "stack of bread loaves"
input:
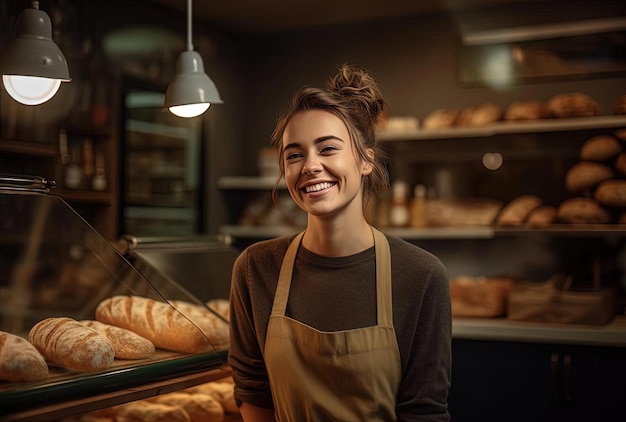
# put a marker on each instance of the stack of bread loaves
(208, 402)
(125, 327)
(598, 181)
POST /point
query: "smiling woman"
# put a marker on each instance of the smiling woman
(362, 316)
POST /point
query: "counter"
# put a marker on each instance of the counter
(502, 329)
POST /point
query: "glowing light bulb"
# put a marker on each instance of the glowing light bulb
(189, 110)
(30, 90)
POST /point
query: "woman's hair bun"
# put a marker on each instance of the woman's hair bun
(355, 84)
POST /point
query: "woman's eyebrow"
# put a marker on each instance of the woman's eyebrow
(316, 141)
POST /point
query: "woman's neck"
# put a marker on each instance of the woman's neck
(337, 238)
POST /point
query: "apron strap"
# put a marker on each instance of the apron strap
(284, 279)
(383, 279)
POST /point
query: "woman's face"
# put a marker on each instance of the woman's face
(322, 173)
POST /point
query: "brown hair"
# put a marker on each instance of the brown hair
(353, 96)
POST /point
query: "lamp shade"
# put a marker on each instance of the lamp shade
(191, 91)
(32, 53)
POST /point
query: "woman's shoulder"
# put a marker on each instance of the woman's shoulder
(264, 250)
(405, 252)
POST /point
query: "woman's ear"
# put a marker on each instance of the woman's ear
(367, 165)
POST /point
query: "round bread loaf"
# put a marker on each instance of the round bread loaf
(222, 391)
(516, 211)
(620, 134)
(127, 344)
(20, 360)
(440, 118)
(72, 345)
(541, 216)
(611, 193)
(574, 104)
(582, 210)
(586, 174)
(524, 110)
(600, 148)
(485, 114)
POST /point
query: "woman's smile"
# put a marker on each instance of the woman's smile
(318, 187)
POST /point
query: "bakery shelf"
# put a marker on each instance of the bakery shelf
(501, 329)
(502, 128)
(28, 148)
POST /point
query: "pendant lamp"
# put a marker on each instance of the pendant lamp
(191, 92)
(32, 65)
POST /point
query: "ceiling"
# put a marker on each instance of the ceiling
(277, 15)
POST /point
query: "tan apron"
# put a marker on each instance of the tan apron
(350, 375)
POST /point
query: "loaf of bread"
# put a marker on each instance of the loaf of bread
(516, 211)
(199, 407)
(582, 210)
(127, 344)
(600, 148)
(479, 296)
(221, 306)
(585, 175)
(524, 110)
(213, 327)
(611, 193)
(148, 411)
(72, 345)
(20, 360)
(222, 391)
(574, 104)
(541, 216)
(440, 118)
(157, 321)
(484, 114)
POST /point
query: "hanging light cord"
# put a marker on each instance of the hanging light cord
(189, 14)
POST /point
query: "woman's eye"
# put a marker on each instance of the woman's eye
(329, 148)
(293, 156)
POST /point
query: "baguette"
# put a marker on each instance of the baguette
(20, 360)
(127, 344)
(72, 345)
(157, 321)
(216, 330)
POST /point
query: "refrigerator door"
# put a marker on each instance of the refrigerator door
(161, 156)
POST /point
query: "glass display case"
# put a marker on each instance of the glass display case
(54, 264)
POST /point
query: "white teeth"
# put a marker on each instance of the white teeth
(318, 187)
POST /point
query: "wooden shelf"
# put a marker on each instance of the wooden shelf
(505, 128)
(28, 148)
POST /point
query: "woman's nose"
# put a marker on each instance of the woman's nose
(311, 166)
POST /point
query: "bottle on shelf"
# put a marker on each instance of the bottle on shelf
(399, 215)
(99, 181)
(419, 212)
(73, 171)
